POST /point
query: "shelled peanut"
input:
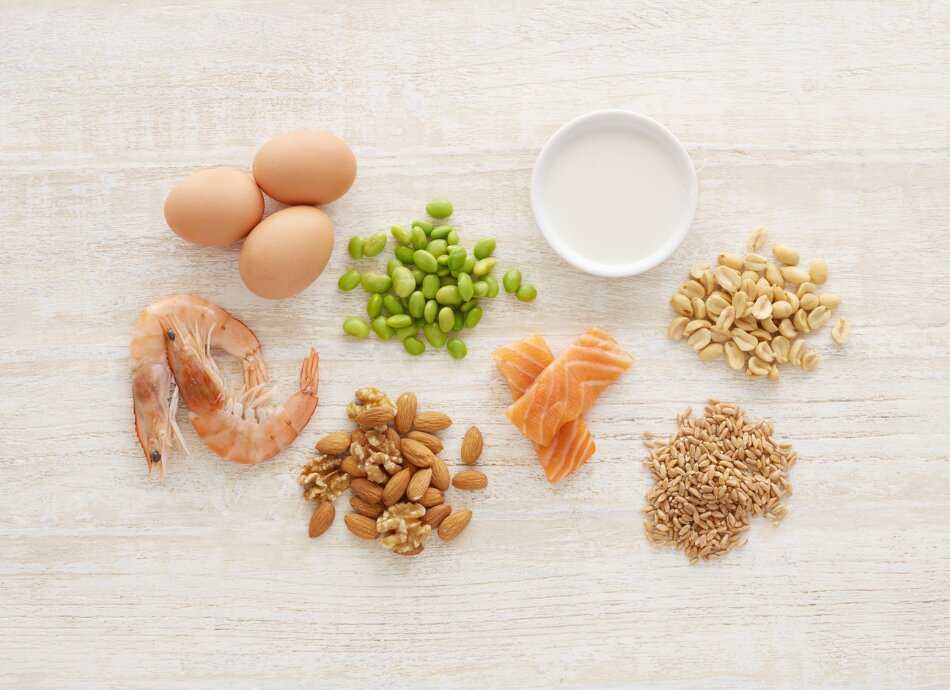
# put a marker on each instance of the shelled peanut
(391, 465)
(753, 312)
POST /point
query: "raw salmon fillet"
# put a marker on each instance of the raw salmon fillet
(521, 363)
(569, 385)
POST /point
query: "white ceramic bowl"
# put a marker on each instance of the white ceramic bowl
(613, 120)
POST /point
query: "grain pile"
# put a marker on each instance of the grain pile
(711, 476)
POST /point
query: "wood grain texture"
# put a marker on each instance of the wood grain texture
(829, 122)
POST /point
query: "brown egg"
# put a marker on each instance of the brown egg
(214, 207)
(287, 251)
(305, 167)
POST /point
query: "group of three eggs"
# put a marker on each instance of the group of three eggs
(285, 252)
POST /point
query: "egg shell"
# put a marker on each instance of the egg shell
(305, 167)
(214, 207)
(286, 252)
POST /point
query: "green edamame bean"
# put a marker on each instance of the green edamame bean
(399, 321)
(466, 287)
(452, 238)
(448, 280)
(526, 293)
(469, 264)
(404, 254)
(512, 280)
(440, 207)
(424, 224)
(430, 286)
(392, 305)
(391, 265)
(484, 248)
(443, 260)
(418, 275)
(492, 286)
(375, 244)
(484, 266)
(440, 232)
(403, 282)
(481, 288)
(382, 329)
(448, 294)
(459, 321)
(401, 233)
(431, 311)
(374, 305)
(446, 319)
(376, 282)
(473, 317)
(456, 348)
(434, 334)
(456, 258)
(417, 302)
(425, 261)
(349, 280)
(468, 306)
(355, 247)
(418, 238)
(407, 332)
(437, 247)
(356, 327)
(444, 271)
(414, 346)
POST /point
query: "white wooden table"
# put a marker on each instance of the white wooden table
(828, 122)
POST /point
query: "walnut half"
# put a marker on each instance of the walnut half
(401, 527)
(322, 479)
(378, 456)
(368, 397)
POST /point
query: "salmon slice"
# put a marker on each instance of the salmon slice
(521, 363)
(569, 385)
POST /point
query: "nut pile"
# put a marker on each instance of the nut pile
(391, 465)
(754, 312)
(711, 476)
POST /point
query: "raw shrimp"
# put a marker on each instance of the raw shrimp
(244, 426)
(154, 401)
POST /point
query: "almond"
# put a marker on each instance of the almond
(436, 514)
(405, 412)
(416, 453)
(428, 440)
(372, 417)
(432, 421)
(373, 510)
(360, 525)
(351, 466)
(396, 487)
(432, 497)
(367, 490)
(468, 480)
(334, 444)
(472, 446)
(321, 519)
(357, 436)
(440, 474)
(453, 525)
(418, 484)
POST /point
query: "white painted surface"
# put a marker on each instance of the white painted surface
(828, 122)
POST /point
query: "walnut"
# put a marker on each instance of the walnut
(368, 397)
(322, 480)
(401, 527)
(376, 454)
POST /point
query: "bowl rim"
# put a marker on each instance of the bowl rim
(634, 121)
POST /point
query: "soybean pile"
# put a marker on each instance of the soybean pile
(431, 283)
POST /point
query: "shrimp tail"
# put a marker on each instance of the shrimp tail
(310, 373)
